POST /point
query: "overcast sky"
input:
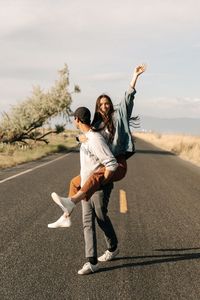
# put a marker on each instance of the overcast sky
(102, 42)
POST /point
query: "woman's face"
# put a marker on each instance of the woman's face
(104, 105)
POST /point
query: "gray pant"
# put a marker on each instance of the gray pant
(96, 208)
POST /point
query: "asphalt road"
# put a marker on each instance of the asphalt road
(159, 235)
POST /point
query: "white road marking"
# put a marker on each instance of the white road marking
(30, 170)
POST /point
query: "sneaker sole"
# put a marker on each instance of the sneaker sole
(105, 260)
(88, 272)
(59, 226)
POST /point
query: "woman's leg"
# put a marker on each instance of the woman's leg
(121, 170)
(93, 184)
(74, 186)
(64, 220)
(95, 181)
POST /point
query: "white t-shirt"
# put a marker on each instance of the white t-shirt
(93, 154)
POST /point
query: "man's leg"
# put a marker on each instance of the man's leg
(100, 202)
(88, 216)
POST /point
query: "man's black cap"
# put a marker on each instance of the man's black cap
(83, 114)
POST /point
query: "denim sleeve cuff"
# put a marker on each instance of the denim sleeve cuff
(131, 90)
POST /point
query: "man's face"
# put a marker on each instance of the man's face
(76, 122)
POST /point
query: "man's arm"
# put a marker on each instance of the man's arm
(101, 150)
(107, 176)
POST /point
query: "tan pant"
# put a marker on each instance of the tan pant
(94, 182)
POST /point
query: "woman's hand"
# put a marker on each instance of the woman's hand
(137, 71)
(140, 69)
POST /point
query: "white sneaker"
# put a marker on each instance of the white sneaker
(65, 203)
(88, 268)
(61, 222)
(107, 256)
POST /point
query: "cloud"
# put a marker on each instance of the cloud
(196, 45)
(170, 107)
(101, 42)
(80, 17)
(16, 16)
(107, 76)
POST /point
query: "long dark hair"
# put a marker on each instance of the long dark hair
(107, 120)
(100, 117)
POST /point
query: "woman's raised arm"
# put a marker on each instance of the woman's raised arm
(137, 71)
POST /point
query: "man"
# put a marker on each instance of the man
(96, 210)
(94, 153)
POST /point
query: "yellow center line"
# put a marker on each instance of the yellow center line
(123, 202)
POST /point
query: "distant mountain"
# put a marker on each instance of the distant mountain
(175, 125)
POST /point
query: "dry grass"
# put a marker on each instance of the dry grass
(11, 155)
(185, 146)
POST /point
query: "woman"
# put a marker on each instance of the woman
(114, 126)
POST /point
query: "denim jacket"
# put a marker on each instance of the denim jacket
(123, 141)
